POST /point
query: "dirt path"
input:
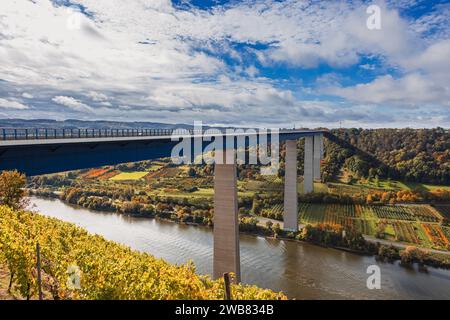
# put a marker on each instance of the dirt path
(4, 282)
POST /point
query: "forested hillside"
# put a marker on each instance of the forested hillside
(416, 155)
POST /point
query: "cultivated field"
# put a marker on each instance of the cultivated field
(129, 176)
(415, 224)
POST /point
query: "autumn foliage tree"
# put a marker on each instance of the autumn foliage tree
(421, 155)
(12, 189)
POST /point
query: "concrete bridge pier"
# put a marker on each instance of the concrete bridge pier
(226, 221)
(318, 151)
(290, 214)
(308, 170)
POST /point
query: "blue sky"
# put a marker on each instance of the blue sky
(256, 62)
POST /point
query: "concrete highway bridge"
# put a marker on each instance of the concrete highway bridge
(44, 151)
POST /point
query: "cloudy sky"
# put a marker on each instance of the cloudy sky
(255, 62)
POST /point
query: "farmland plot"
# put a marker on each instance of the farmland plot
(129, 176)
(274, 212)
(405, 232)
(436, 235)
(314, 214)
(424, 213)
(393, 212)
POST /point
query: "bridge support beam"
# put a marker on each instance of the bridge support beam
(308, 170)
(290, 215)
(226, 222)
(318, 148)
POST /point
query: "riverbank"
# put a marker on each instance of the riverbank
(325, 236)
(402, 245)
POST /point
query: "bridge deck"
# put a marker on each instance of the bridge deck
(38, 155)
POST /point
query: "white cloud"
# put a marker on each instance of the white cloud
(367, 66)
(96, 96)
(427, 80)
(27, 95)
(12, 104)
(149, 56)
(434, 24)
(412, 89)
(434, 60)
(72, 103)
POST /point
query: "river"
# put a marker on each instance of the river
(301, 270)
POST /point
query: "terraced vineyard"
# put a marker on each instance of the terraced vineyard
(313, 214)
(365, 226)
(415, 224)
(436, 235)
(393, 212)
(405, 232)
(343, 210)
(366, 212)
(444, 210)
(425, 213)
(302, 207)
(332, 215)
(274, 212)
(446, 231)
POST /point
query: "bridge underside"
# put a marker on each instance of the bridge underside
(34, 158)
(52, 158)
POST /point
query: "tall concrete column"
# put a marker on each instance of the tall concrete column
(317, 156)
(226, 221)
(308, 185)
(290, 218)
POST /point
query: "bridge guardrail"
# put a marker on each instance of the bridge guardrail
(35, 133)
(7, 134)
